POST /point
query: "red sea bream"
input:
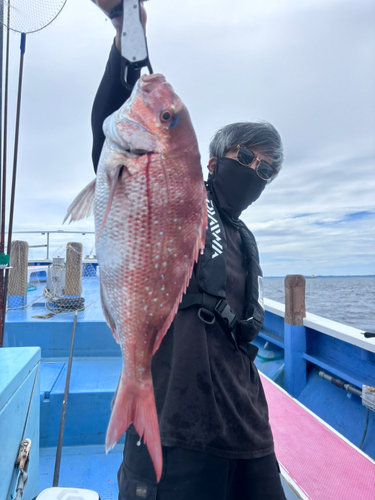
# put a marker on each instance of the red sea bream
(150, 222)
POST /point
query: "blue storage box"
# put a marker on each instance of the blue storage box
(19, 374)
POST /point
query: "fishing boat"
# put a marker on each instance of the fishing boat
(59, 367)
(318, 375)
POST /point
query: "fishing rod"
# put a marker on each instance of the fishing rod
(134, 50)
(14, 174)
(56, 473)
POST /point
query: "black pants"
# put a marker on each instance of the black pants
(191, 475)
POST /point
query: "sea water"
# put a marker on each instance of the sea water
(348, 300)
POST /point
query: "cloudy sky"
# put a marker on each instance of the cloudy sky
(306, 66)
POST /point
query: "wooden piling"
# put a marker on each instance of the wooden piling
(295, 307)
(295, 375)
(73, 275)
(18, 276)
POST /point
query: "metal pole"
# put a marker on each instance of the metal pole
(47, 245)
(1, 164)
(3, 191)
(1, 90)
(5, 139)
(15, 158)
(56, 473)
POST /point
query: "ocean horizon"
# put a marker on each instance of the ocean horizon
(347, 299)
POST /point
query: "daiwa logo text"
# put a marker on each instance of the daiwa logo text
(215, 230)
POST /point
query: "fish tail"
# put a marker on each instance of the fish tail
(135, 403)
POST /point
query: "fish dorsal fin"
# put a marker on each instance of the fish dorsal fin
(112, 188)
(83, 204)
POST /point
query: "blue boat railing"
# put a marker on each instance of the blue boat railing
(325, 365)
(322, 342)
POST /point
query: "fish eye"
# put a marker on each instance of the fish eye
(167, 115)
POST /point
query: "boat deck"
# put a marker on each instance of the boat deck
(320, 463)
(83, 467)
(317, 463)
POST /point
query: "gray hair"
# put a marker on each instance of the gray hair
(260, 135)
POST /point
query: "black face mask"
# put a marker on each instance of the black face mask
(234, 186)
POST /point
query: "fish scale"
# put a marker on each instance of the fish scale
(150, 222)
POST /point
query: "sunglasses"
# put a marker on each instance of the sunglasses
(264, 170)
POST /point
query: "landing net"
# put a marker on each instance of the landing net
(28, 16)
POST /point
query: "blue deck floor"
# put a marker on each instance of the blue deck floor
(92, 385)
(83, 467)
(36, 305)
(24, 327)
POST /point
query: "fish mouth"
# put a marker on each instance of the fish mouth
(149, 82)
(135, 153)
(137, 142)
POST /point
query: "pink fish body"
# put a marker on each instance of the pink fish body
(150, 222)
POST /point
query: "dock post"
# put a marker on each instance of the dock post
(73, 274)
(295, 334)
(18, 275)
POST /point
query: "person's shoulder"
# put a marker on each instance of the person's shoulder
(245, 232)
(243, 226)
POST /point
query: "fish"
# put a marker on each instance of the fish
(149, 204)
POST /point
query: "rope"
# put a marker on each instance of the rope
(63, 303)
(21, 483)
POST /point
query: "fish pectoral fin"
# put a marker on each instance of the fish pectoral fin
(83, 204)
(108, 317)
(112, 187)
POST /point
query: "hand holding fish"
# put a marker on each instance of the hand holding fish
(107, 5)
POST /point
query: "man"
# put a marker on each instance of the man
(213, 416)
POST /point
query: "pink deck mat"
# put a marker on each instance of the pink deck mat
(321, 463)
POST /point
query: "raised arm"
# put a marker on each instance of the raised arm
(111, 93)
